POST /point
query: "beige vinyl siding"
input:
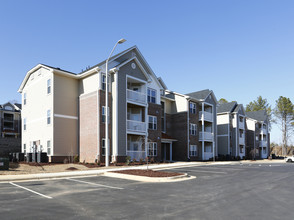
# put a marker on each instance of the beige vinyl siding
(66, 107)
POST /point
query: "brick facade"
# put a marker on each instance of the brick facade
(155, 135)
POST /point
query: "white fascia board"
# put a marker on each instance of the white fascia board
(28, 75)
(162, 83)
(149, 68)
(167, 98)
(213, 96)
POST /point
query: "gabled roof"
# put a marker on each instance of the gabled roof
(202, 95)
(92, 69)
(199, 94)
(257, 115)
(239, 106)
(16, 106)
(227, 107)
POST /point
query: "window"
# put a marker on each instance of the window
(193, 150)
(152, 122)
(48, 86)
(241, 149)
(192, 108)
(264, 150)
(103, 147)
(25, 98)
(151, 95)
(48, 117)
(49, 147)
(103, 82)
(241, 119)
(24, 124)
(104, 114)
(24, 148)
(152, 149)
(162, 116)
(193, 128)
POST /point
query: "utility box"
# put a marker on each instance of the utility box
(4, 163)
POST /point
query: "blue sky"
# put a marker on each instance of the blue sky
(239, 49)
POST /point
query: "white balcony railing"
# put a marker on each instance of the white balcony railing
(207, 116)
(205, 136)
(242, 125)
(135, 96)
(262, 143)
(136, 126)
(207, 155)
(242, 140)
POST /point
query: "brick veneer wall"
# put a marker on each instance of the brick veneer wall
(194, 140)
(88, 128)
(155, 135)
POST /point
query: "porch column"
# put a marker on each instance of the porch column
(171, 151)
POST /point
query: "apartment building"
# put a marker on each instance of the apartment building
(231, 129)
(10, 120)
(64, 112)
(258, 137)
(190, 121)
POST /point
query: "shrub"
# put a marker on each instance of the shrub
(76, 159)
(128, 159)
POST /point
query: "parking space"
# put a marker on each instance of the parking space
(238, 191)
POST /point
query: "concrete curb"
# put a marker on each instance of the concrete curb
(150, 179)
(40, 176)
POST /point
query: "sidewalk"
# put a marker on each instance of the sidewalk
(39, 176)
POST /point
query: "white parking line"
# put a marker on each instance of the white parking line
(48, 197)
(95, 184)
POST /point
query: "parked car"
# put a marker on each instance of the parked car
(289, 159)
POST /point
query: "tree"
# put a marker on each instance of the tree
(284, 114)
(260, 104)
(222, 101)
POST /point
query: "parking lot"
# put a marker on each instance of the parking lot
(238, 191)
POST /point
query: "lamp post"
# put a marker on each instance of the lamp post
(106, 104)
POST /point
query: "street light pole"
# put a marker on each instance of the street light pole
(106, 104)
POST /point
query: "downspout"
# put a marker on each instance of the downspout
(237, 136)
(229, 135)
(188, 131)
(202, 120)
(98, 117)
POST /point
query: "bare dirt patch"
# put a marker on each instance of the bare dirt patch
(148, 173)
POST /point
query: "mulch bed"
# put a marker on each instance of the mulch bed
(148, 173)
(72, 168)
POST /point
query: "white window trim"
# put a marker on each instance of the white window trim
(193, 129)
(152, 146)
(49, 86)
(50, 147)
(193, 152)
(49, 116)
(154, 122)
(192, 108)
(155, 97)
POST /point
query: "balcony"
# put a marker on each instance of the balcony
(205, 136)
(207, 116)
(136, 97)
(262, 144)
(241, 125)
(241, 140)
(136, 126)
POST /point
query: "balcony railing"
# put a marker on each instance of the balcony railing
(242, 125)
(205, 136)
(207, 155)
(262, 143)
(135, 96)
(207, 116)
(136, 126)
(242, 140)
